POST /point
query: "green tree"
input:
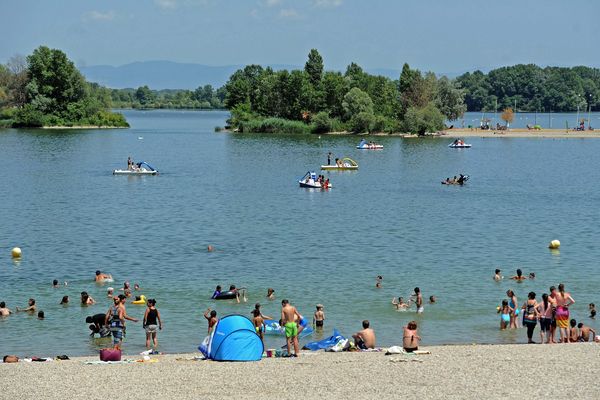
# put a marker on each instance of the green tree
(314, 67)
(144, 95)
(449, 99)
(423, 120)
(356, 101)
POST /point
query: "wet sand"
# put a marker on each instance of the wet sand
(449, 372)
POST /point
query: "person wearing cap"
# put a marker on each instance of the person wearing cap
(101, 277)
(319, 317)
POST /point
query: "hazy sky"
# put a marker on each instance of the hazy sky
(442, 35)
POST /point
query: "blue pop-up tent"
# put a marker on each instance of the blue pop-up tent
(233, 339)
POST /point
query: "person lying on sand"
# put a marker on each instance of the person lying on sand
(365, 339)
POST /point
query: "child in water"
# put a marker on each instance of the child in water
(259, 324)
(319, 317)
(505, 310)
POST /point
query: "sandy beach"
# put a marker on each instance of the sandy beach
(455, 372)
(521, 133)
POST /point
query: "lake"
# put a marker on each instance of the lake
(239, 192)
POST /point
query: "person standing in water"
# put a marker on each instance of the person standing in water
(563, 302)
(418, 299)
(259, 324)
(319, 317)
(545, 312)
(530, 315)
(512, 302)
(152, 321)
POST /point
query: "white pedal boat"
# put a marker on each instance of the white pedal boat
(141, 168)
(364, 145)
(346, 164)
(310, 181)
(455, 145)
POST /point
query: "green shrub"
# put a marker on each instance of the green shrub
(423, 120)
(275, 125)
(29, 116)
(362, 122)
(322, 123)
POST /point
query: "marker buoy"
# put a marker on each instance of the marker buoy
(555, 244)
(16, 252)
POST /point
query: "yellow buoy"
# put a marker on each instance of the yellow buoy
(555, 244)
(16, 252)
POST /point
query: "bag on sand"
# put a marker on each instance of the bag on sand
(340, 346)
(110, 355)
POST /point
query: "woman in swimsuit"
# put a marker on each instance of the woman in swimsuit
(512, 302)
(563, 301)
(410, 340)
(545, 311)
(530, 315)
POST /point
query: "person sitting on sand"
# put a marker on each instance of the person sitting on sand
(573, 332)
(86, 299)
(10, 359)
(400, 303)
(211, 318)
(30, 308)
(411, 338)
(584, 332)
(365, 339)
(4, 311)
(519, 277)
(497, 276)
(319, 317)
(271, 294)
(101, 277)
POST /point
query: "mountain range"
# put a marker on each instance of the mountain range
(173, 75)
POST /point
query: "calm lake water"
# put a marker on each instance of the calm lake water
(70, 215)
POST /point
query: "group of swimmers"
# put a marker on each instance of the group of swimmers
(552, 313)
(457, 180)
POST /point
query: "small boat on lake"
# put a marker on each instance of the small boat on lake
(459, 144)
(311, 180)
(141, 168)
(461, 180)
(364, 145)
(343, 164)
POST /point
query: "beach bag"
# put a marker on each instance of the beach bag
(110, 355)
(340, 346)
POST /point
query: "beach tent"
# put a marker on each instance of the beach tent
(233, 339)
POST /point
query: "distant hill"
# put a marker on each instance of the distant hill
(173, 75)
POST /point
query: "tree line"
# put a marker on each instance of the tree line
(532, 88)
(204, 98)
(46, 89)
(315, 100)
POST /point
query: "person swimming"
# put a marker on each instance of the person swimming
(217, 292)
(400, 304)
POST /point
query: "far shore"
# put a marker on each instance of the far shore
(85, 127)
(461, 372)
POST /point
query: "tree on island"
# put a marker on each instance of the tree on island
(49, 91)
(507, 116)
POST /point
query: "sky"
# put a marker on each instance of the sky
(444, 36)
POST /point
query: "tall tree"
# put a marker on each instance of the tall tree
(449, 99)
(314, 67)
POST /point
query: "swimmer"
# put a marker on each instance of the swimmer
(271, 294)
(136, 286)
(4, 311)
(101, 277)
(532, 275)
(65, 300)
(210, 248)
(400, 303)
(211, 318)
(30, 308)
(217, 292)
(592, 308)
(378, 281)
(98, 325)
(55, 283)
(86, 299)
(126, 289)
(110, 292)
(519, 277)
(432, 299)
(319, 317)
(497, 276)
(41, 315)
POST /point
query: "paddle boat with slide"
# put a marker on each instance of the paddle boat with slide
(343, 164)
(364, 145)
(141, 168)
(311, 180)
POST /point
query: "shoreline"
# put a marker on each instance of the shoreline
(81, 127)
(454, 371)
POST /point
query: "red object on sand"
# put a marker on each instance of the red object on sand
(110, 355)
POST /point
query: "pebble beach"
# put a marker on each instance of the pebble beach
(449, 372)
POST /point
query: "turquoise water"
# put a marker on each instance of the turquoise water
(71, 216)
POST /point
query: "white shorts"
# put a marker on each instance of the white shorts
(420, 309)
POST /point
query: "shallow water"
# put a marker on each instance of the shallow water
(71, 216)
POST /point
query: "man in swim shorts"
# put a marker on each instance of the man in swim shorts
(289, 316)
(418, 300)
(365, 339)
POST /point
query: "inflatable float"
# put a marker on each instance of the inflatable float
(462, 179)
(228, 295)
(142, 168)
(310, 180)
(272, 327)
(345, 164)
(364, 145)
(139, 300)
